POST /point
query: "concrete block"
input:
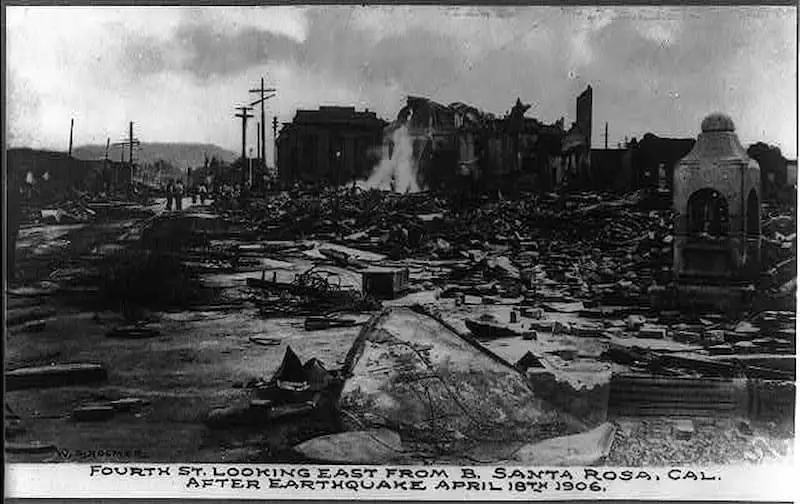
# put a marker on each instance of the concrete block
(683, 429)
(385, 283)
(652, 332)
(473, 300)
(492, 329)
(588, 330)
(542, 325)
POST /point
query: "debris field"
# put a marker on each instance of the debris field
(367, 326)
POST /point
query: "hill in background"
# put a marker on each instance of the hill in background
(179, 155)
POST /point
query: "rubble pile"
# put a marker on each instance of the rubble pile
(779, 250)
(501, 330)
(655, 442)
(346, 212)
(311, 292)
(603, 248)
(66, 212)
(590, 243)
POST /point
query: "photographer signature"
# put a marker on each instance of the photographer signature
(101, 454)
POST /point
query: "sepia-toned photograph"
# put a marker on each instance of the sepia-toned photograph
(387, 235)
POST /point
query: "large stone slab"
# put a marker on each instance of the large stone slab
(417, 375)
(378, 446)
(589, 448)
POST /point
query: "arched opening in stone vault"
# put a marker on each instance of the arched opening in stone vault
(708, 213)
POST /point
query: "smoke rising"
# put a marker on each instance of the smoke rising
(397, 170)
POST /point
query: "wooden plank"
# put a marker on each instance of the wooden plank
(58, 375)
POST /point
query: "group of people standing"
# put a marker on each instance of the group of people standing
(174, 192)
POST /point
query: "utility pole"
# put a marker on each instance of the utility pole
(263, 96)
(275, 141)
(244, 115)
(130, 146)
(606, 135)
(105, 161)
(250, 176)
(258, 141)
(71, 126)
(131, 142)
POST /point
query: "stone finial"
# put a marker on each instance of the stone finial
(717, 122)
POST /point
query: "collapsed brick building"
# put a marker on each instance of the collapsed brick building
(459, 145)
(334, 144)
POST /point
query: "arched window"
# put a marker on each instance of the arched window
(752, 221)
(708, 213)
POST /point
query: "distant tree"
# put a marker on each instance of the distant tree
(762, 151)
(773, 167)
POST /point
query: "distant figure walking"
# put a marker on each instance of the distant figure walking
(179, 196)
(170, 190)
(203, 193)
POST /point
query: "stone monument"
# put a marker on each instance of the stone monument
(717, 197)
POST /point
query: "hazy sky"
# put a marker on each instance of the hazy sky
(178, 72)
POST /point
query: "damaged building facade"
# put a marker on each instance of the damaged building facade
(453, 147)
(332, 144)
(459, 145)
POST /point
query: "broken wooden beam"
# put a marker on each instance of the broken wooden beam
(58, 375)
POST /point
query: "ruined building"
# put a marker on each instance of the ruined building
(334, 144)
(577, 143)
(55, 173)
(612, 169)
(655, 159)
(717, 193)
(459, 147)
(775, 177)
(639, 164)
